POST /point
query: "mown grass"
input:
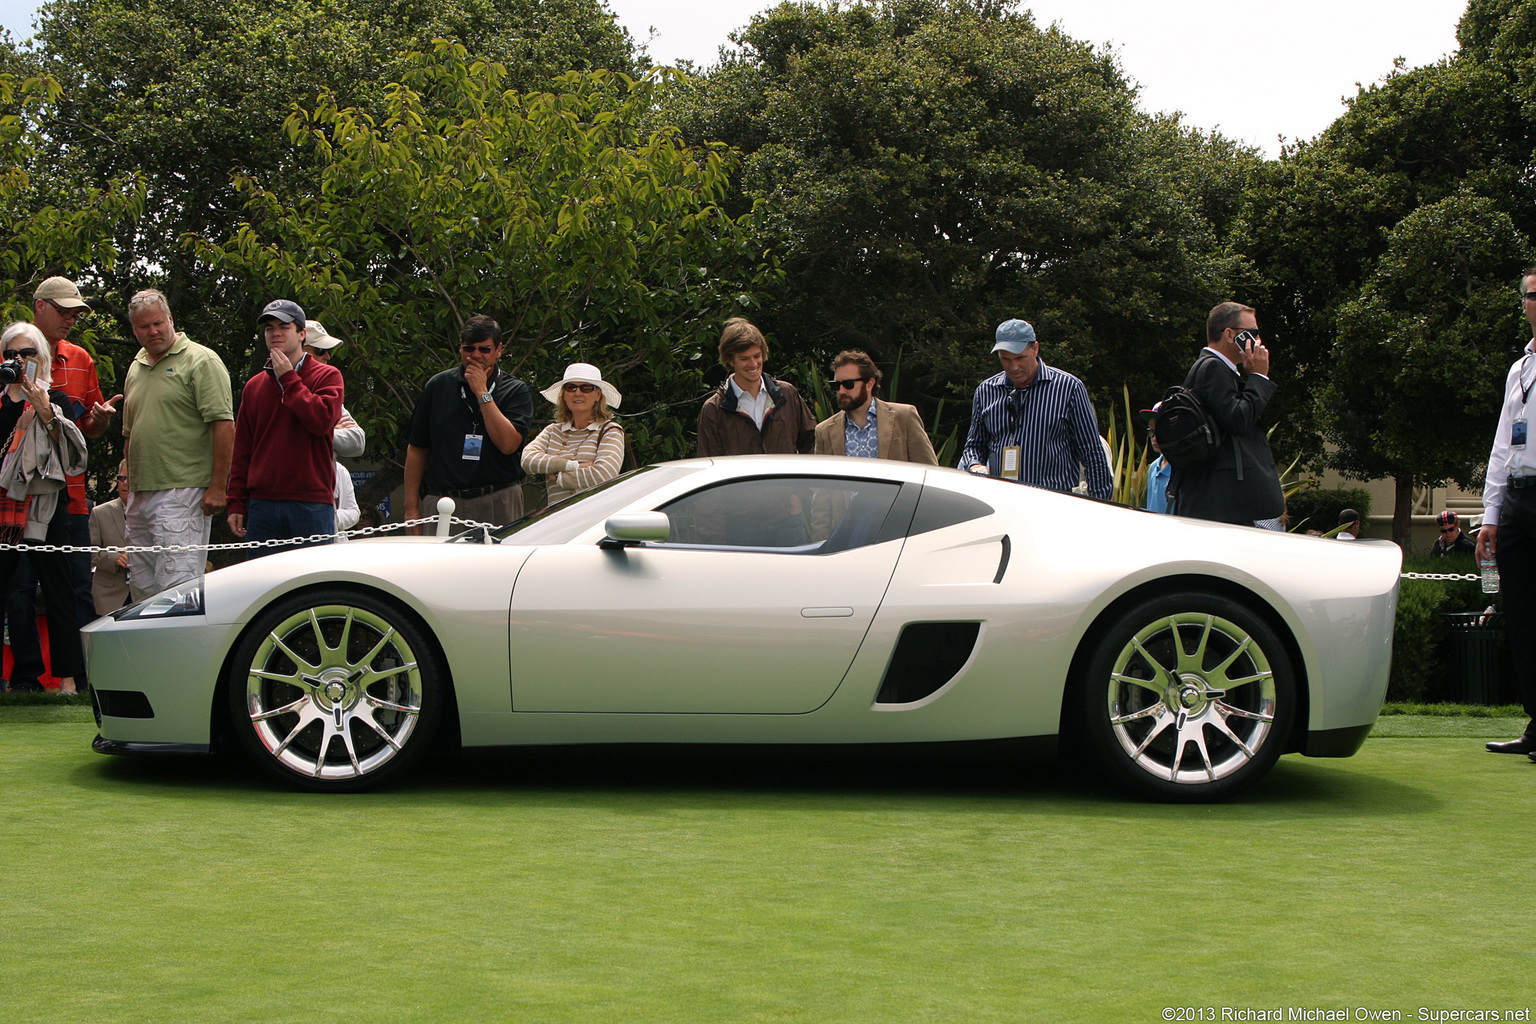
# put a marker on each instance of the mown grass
(709, 885)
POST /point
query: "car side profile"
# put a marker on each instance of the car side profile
(774, 600)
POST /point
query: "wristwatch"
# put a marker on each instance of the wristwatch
(486, 398)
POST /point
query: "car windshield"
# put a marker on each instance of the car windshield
(560, 522)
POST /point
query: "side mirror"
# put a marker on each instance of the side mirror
(636, 528)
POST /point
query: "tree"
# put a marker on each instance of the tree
(587, 230)
(929, 168)
(51, 225)
(1438, 320)
(1318, 219)
(188, 94)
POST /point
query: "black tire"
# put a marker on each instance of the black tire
(335, 691)
(1188, 697)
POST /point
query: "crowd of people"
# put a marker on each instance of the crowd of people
(271, 469)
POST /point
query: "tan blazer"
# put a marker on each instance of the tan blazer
(109, 584)
(899, 430)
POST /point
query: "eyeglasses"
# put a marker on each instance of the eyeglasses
(849, 384)
(1447, 529)
(65, 311)
(1529, 296)
(20, 353)
(572, 385)
(484, 350)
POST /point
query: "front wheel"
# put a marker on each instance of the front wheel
(1189, 697)
(335, 690)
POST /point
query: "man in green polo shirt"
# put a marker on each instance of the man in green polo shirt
(178, 418)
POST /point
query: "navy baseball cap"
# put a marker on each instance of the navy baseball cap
(1013, 336)
(285, 310)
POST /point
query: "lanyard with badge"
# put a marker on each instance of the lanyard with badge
(1018, 399)
(474, 442)
(1518, 429)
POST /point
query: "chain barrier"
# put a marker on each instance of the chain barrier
(244, 545)
(1440, 576)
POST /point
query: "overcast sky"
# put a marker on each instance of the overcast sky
(1256, 71)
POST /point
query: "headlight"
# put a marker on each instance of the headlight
(186, 599)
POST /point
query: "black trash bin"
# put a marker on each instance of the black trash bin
(1474, 656)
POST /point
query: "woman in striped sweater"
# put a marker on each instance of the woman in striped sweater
(585, 445)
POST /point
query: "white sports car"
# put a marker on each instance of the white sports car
(773, 600)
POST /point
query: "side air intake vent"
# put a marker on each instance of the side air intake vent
(928, 655)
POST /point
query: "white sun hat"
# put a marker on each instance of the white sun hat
(584, 373)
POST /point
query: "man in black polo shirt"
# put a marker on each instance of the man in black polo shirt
(467, 433)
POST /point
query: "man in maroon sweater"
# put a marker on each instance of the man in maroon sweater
(282, 479)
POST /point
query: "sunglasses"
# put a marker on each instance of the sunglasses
(1447, 529)
(484, 350)
(1529, 296)
(20, 353)
(65, 311)
(849, 384)
(584, 388)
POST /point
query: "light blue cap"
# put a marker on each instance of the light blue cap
(1013, 336)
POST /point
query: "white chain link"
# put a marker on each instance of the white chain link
(244, 545)
(1441, 576)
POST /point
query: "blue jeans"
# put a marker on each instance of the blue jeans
(280, 520)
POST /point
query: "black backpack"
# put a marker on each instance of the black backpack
(1185, 432)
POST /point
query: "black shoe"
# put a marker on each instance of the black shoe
(1524, 745)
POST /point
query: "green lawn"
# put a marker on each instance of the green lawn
(701, 885)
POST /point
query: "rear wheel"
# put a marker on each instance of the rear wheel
(335, 690)
(1189, 697)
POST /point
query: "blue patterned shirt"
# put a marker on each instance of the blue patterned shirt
(1051, 421)
(862, 444)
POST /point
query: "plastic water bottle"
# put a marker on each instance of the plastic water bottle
(1490, 575)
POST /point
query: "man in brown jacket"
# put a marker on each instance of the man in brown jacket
(752, 413)
(864, 427)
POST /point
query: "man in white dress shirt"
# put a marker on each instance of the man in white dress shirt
(1509, 521)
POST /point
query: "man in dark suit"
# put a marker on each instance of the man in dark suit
(1239, 485)
(865, 427)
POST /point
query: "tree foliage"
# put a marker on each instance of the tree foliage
(930, 168)
(189, 94)
(588, 231)
(1420, 347)
(50, 224)
(1323, 217)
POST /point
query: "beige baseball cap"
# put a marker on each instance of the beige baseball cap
(60, 291)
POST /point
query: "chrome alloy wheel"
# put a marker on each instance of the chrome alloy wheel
(333, 691)
(1191, 698)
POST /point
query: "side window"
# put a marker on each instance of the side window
(804, 515)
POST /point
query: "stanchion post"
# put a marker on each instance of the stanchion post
(445, 507)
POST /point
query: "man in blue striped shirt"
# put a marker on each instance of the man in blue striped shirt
(1033, 423)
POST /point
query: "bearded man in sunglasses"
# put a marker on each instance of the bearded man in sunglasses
(866, 427)
(467, 434)
(1239, 485)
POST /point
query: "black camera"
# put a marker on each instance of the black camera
(12, 371)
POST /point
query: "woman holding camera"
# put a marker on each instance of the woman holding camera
(42, 446)
(585, 445)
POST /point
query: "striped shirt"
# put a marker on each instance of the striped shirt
(1051, 421)
(560, 449)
